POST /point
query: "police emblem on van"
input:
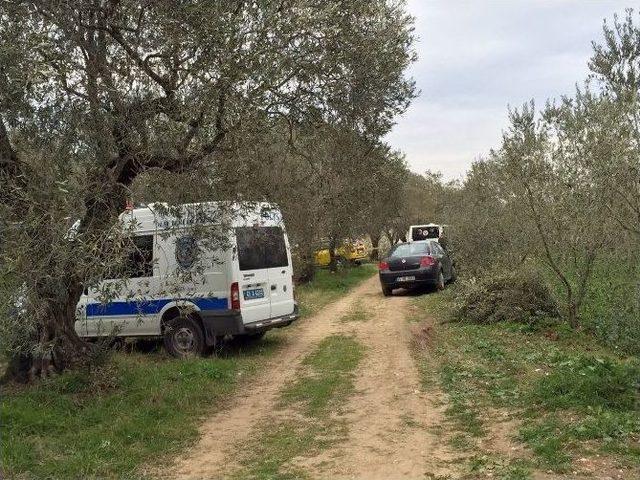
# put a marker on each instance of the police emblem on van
(186, 251)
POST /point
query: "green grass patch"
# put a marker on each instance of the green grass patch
(324, 384)
(140, 407)
(330, 376)
(327, 287)
(356, 314)
(573, 395)
(105, 424)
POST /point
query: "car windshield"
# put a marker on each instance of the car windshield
(410, 249)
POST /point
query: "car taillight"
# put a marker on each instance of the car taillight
(235, 296)
(383, 266)
(427, 261)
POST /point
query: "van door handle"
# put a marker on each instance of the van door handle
(249, 275)
(283, 272)
(273, 287)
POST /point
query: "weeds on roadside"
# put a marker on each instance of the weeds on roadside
(571, 395)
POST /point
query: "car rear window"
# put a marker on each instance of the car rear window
(261, 247)
(410, 249)
(425, 233)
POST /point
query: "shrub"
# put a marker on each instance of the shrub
(520, 296)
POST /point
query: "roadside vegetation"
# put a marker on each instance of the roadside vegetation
(528, 396)
(537, 344)
(108, 421)
(556, 206)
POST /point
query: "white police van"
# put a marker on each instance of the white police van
(243, 287)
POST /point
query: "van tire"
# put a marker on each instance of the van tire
(386, 291)
(183, 337)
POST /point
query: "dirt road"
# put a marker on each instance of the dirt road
(391, 423)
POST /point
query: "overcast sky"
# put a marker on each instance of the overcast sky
(476, 57)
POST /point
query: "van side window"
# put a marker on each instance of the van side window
(261, 247)
(140, 261)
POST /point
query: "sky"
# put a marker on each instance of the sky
(478, 57)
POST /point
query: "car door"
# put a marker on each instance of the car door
(443, 258)
(254, 283)
(280, 273)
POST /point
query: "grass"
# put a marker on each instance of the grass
(571, 396)
(105, 424)
(356, 314)
(611, 309)
(327, 287)
(321, 389)
(139, 407)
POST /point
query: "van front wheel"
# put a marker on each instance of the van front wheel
(183, 337)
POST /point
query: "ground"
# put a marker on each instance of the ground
(383, 426)
(363, 387)
(377, 388)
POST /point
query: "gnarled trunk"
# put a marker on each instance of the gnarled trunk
(333, 264)
(375, 241)
(55, 345)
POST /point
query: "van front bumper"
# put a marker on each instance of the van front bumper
(218, 323)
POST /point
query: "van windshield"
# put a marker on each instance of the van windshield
(424, 233)
(261, 247)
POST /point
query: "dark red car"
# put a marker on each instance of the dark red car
(415, 264)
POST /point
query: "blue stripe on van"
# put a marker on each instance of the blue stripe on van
(150, 307)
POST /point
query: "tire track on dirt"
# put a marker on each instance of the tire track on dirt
(215, 453)
(391, 420)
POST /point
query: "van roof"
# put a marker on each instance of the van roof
(422, 225)
(162, 216)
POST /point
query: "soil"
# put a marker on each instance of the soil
(395, 427)
(392, 422)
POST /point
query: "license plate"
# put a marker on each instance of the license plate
(405, 279)
(253, 293)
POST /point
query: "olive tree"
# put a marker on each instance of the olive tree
(95, 93)
(615, 65)
(543, 160)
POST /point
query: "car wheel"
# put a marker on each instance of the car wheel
(386, 291)
(440, 284)
(183, 338)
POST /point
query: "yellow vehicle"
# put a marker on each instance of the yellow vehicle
(353, 252)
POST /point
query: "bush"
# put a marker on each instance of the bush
(520, 296)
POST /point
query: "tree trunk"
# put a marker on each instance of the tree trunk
(333, 264)
(56, 345)
(305, 270)
(572, 314)
(375, 241)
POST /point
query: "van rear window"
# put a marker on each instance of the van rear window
(261, 247)
(425, 233)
